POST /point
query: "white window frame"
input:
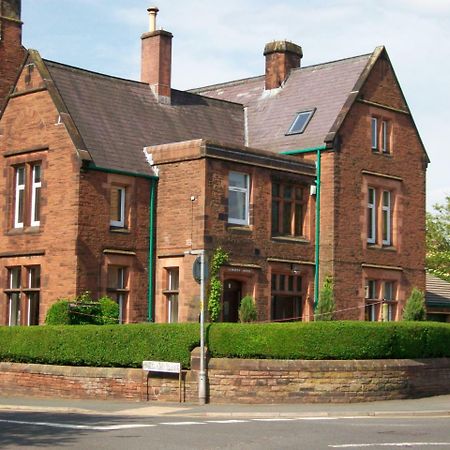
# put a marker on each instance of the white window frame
(384, 136)
(374, 133)
(121, 222)
(371, 207)
(386, 209)
(19, 188)
(246, 191)
(173, 298)
(17, 293)
(35, 185)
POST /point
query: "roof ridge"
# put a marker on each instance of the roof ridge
(90, 72)
(243, 80)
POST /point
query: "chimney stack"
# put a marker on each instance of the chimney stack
(281, 58)
(156, 59)
(12, 53)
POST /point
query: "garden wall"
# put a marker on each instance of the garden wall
(238, 381)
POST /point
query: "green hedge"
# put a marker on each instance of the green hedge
(102, 346)
(330, 340)
(129, 345)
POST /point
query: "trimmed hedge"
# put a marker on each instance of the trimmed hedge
(330, 340)
(129, 345)
(99, 346)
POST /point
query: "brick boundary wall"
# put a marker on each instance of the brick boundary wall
(238, 381)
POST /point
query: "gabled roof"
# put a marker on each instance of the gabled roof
(326, 87)
(115, 119)
(437, 291)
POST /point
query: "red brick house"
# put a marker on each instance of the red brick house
(109, 184)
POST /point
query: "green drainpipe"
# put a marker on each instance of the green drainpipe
(151, 258)
(318, 151)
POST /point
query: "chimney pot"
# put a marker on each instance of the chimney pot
(281, 58)
(152, 12)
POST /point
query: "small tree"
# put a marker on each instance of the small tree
(415, 306)
(326, 305)
(247, 310)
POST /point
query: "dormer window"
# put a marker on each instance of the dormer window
(301, 122)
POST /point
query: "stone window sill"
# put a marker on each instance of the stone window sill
(119, 230)
(26, 230)
(291, 239)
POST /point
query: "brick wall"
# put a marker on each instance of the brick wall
(12, 55)
(30, 133)
(346, 175)
(238, 381)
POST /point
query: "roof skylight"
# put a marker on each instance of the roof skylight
(301, 121)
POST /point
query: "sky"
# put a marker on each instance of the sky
(217, 41)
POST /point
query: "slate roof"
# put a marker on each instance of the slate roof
(437, 291)
(325, 87)
(117, 118)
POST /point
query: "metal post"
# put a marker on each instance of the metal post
(202, 374)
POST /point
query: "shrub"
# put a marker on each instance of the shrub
(415, 306)
(329, 340)
(83, 311)
(247, 310)
(58, 313)
(326, 305)
(101, 346)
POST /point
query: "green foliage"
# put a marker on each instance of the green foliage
(326, 305)
(58, 313)
(330, 340)
(220, 257)
(438, 240)
(83, 311)
(99, 346)
(247, 310)
(415, 306)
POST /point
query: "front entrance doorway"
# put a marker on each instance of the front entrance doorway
(232, 295)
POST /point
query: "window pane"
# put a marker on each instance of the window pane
(236, 179)
(298, 219)
(37, 205)
(14, 309)
(20, 205)
(287, 192)
(388, 293)
(384, 136)
(33, 309)
(275, 190)
(374, 125)
(299, 194)
(386, 198)
(274, 282)
(290, 283)
(117, 277)
(116, 204)
(37, 174)
(237, 205)
(14, 278)
(300, 122)
(172, 313)
(20, 176)
(275, 217)
(287, 218)
(385, 225)
(299, 284)
(34, 277)
(173, 279)
(282, 283)
(286, 307)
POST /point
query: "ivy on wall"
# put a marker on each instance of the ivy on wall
(220, 257)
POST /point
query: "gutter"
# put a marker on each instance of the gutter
(318, 151)
(151, 232)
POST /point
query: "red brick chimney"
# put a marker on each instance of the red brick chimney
(281, 57)
(156, 59)
(12, 53)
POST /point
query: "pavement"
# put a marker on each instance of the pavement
(437, 406)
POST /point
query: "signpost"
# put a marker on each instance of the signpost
(199, 273)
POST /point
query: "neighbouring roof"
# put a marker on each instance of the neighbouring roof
(326, 87)
(117, 118)
(437, 291)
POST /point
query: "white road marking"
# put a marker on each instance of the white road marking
(392, 444)
(274, 419)
(228, 421)
(182, 423)
(79, 427)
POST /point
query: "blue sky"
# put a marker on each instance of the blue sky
(217, 41)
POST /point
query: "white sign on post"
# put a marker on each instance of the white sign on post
(161, 366)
